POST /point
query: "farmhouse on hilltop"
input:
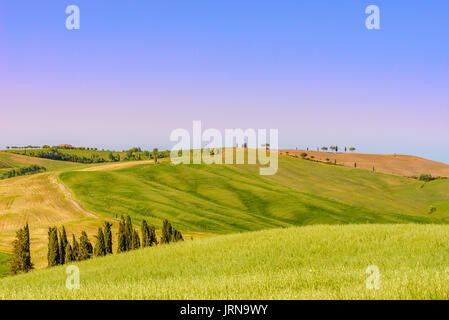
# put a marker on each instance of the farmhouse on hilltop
(65, 146)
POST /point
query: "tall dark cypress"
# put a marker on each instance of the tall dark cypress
(170, 234)
(100, 247)
(53, 247)
(21, 259)
(121, 241)
(108, 237)
(75, 248)
(167, 231)
(177, 236)
(145, 234)
(27, 264)
(69, 257)
(129, 233)
(62, 245)
(86, 249)
(152, 236)
(135, 240)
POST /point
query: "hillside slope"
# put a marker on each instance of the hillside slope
(313, 262)
(10, 161)
(403, 165)
(39, 200)
(234, 198)
(205, 200)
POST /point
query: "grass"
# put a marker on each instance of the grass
(235, 198)
(312, 262)
(4, 266)
(10, 161)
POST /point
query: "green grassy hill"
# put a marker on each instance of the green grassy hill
(4, 264)
(312, 262)
(234, 198)
(10, 161)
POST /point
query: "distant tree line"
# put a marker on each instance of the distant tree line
(334, 149)
(426, 177)
(137, 154)
(57, 153)
(23, 148)
(23, 171)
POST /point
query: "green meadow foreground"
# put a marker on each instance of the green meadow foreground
(312, 262)
(4, 258)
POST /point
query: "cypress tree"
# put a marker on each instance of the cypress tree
(177, 236)
(21, 259)
(53, 247)
(129, 233)
(167, 231)
(62, 245)
(69, 256)
(108, 237)
(15, 264)
(145, 234)
(27, 264)
(135, 240)
(170, 234)
(85, 247)
(152, 236)
(122, 247)
(100, 247)
(75, 249)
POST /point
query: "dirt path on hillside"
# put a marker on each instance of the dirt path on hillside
(69, 197)
(118, 166)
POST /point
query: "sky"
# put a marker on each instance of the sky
(136, 70)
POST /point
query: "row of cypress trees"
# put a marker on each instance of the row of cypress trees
(61, 251)
(21, 258)
(128, 237)
(170, 234)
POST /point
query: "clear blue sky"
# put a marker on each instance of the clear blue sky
(136, 70)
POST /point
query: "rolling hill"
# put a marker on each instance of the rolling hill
(10, 160)
(203, 200)
(403, 165)
(234, 198)
(311, 262)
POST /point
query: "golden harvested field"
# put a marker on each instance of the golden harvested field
(43, 201)
(392, 164)
(40, 201)
(118, 166)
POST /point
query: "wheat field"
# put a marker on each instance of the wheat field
(311, 262)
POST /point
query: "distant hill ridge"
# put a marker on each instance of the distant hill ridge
(403, 165)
